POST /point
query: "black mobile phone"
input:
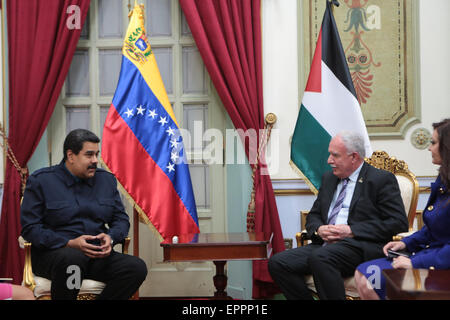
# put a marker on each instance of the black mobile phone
(394, 254)
(95, 242)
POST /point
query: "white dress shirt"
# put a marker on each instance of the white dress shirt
(343, 213)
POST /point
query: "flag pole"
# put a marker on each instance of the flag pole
(135, 232)
(135, 212)
(335, 3)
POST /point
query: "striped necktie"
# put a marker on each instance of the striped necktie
(339, 201)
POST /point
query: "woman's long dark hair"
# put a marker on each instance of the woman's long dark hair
(443, 130)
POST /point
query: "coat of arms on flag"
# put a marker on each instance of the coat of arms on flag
(141, 43)
(137, 46)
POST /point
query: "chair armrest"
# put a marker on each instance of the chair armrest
(400, 236)
(419, 218)
(28, 278)
(302, 238)
(125, 244)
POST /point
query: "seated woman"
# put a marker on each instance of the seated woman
(14, 292)
(430, 246)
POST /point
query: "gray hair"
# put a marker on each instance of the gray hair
(353, 142)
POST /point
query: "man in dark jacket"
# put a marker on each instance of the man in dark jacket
(358, 209)
(72, 214)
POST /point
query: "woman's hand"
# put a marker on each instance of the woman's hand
(402, 263)
(394, 245)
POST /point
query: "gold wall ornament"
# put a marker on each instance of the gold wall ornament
(421, 138)
(269, 120)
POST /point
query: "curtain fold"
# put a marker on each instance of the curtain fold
(228, 36)
(42, 38)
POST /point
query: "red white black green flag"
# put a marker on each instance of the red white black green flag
(329, 106)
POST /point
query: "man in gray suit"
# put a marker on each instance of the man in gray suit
(358, 210)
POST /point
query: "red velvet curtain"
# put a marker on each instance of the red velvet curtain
(42, 37)
(228, 36)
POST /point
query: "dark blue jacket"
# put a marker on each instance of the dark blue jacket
(58, 207)
(431, 244)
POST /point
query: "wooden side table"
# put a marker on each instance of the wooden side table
(417, 284)
(219, 248)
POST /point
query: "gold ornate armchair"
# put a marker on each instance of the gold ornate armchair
(40, 286)
(409, 189)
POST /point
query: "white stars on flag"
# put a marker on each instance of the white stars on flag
(175, 144)
(140, 110)
(152, 113)
(170, 131)
(162, 120)
(170, 167)
(129, 113)
(174, 157)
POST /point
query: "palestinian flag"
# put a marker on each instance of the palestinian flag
(329, 106)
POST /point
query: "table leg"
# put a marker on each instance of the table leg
(220, 280)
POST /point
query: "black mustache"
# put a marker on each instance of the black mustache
(92, 166)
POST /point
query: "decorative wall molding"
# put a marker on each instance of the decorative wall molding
(294, 187)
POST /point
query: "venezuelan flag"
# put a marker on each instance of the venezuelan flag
(141, 143)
